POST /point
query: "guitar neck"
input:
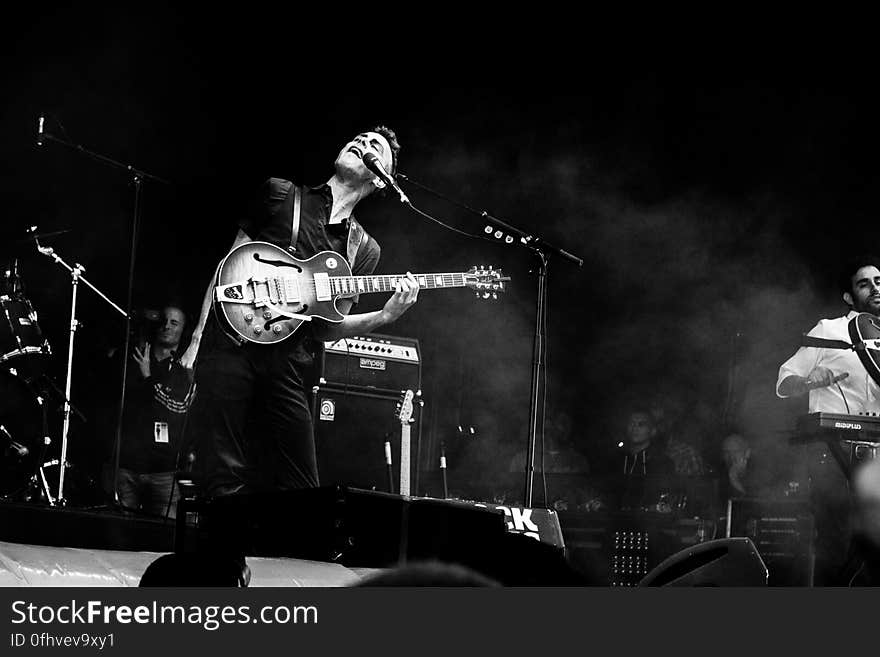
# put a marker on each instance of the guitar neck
(404, 459)
(387, 282)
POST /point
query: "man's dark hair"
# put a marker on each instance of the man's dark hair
(641, 409)
(391, 136)
(851, 265)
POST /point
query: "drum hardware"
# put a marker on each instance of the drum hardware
(20, 450)
(76, 275)
(38, 486)
(27, 435)
(11, 280)
(22, 345)
(32, 235)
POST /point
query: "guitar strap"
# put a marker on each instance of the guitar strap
(294, 221)
(356, 232)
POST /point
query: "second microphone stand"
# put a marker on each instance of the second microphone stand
(504, 232)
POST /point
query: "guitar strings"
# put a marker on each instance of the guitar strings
(312, 285)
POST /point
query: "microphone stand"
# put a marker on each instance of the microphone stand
(508, 234)
(137, 178)
(76, 275)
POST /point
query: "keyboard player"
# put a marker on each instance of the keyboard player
(835, 379)
(836, 382)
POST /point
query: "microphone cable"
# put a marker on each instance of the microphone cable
(403, 176)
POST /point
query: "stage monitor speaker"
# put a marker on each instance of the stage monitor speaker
(372, 529)
(351, 428)
(723, 562)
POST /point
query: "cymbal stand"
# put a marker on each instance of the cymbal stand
(137, 179)
(76, 275)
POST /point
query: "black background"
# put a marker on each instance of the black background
(708, 200)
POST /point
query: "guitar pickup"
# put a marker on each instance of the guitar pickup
(322, 287)
(288, 289)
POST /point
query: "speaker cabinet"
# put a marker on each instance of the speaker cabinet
(723, 562)
(351, 428)
(372, 529)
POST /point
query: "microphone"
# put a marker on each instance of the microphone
(373, 164)
(40, 131)
(18, 448)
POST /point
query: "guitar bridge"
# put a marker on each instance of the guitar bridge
(264, 292)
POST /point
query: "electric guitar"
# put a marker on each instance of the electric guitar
(264, 294)
(404, 414)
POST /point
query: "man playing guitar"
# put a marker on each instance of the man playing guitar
(252, 417)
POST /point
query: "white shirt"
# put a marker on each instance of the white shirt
(860, 393)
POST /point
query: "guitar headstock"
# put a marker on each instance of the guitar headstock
(487, 283)
(405, 407)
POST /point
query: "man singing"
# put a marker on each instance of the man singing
(253, 418)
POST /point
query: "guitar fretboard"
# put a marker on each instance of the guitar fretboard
(387, 283)
(404, 459)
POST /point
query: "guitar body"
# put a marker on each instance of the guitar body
(264, 294)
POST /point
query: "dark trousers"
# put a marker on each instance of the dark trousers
(150, 492)
(832, 511)
(252, 418)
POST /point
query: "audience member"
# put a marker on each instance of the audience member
(566, 468)
(647, 472)
(158, 396)
(667, 413)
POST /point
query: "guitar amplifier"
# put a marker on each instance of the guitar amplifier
(382, 363)
(351, 427)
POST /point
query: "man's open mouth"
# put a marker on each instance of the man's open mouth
(356, 151)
